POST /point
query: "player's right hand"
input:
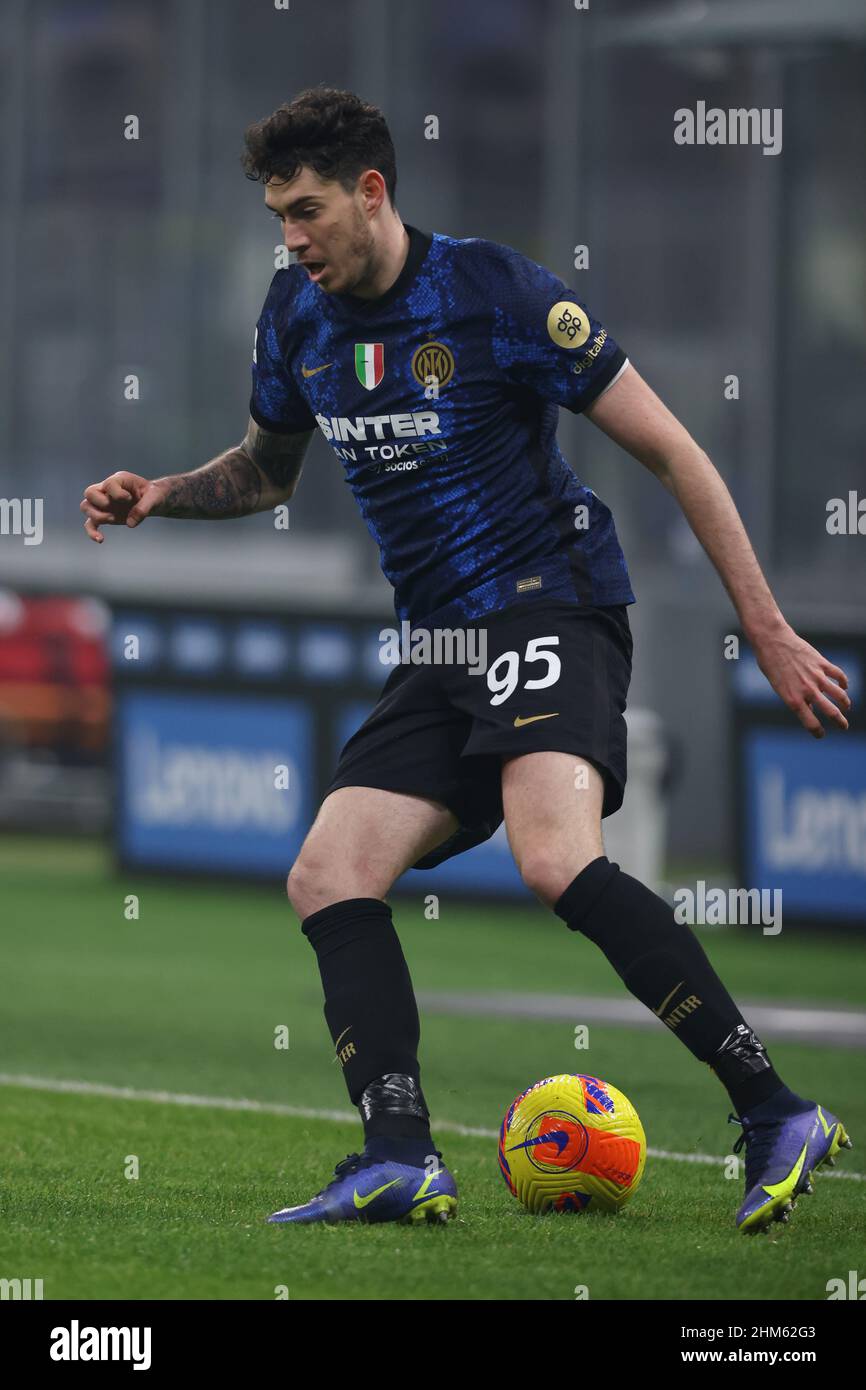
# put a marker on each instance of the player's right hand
(124, 499)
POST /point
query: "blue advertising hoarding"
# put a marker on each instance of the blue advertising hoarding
(801, 801)
(208, 704)
(806, 819)
(213, 781)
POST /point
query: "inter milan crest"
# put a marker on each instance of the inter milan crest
(369, 364)
(433, 360)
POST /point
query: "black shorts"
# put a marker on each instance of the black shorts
(436, 731)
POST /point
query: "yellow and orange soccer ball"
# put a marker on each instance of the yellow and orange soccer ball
(569, 1143)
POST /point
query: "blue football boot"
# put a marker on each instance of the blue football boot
(376, 1189)
(787, 1140)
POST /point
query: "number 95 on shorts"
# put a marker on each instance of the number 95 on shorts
(556, 678)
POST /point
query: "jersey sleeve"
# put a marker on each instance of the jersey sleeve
(546, 339)
(276, 403)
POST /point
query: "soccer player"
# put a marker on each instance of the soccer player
(435, 368)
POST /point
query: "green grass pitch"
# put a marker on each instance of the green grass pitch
(186, 1000)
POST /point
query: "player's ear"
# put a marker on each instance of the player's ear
(373, 192)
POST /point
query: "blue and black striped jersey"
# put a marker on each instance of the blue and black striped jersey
(440, 399)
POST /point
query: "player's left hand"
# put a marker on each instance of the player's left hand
(802, 677)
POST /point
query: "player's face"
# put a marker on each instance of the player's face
(327, 228)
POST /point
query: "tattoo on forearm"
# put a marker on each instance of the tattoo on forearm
(279, 456)
(229, 486)
(259, 473)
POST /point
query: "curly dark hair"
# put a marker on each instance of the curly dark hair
(333, 132)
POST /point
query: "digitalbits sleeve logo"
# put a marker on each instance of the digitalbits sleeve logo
(567, 324)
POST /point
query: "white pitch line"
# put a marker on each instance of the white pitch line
(303, 1112)
(840, 1027)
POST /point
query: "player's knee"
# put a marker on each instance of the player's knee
(306, 886)
(547, 872)
(317, 880)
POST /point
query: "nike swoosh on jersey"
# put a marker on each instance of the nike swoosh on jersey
(531, 718)
(311, 371)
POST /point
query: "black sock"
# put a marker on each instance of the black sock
(662, 963)
(372, 1015)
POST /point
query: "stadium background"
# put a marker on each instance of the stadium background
(152, 257)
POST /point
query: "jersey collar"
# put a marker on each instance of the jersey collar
(419, 245)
